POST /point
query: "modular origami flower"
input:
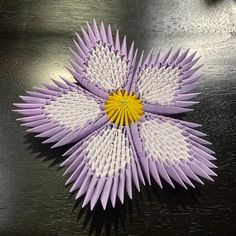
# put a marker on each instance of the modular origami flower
(114, 115)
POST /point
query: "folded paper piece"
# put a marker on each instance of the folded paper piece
(115, 114)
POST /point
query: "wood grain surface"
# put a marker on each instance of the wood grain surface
(34, 40)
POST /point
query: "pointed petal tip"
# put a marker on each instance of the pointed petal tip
(45, 141)
(209, 178)
(192, 185)
(85, 203)
(15, 104)
(94, 20)
(62, 165)
(214, 174)
(185, 187)
(64, 154)
(121, 200)
(113, 203)
(104, 206)
(93, 204)
(71, 191)
(92, 207)
(54, 146)
(214, 166)
(198, 58)
(189, 109)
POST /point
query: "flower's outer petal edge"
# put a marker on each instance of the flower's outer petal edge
(194, 165)
(179, 69)
(53, 124)
(95, 178)
(100, 58)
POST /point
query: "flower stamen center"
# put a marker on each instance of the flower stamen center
(123, 108)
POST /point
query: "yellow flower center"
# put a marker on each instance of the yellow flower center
(123, 108)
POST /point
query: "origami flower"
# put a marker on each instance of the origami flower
(116, 116)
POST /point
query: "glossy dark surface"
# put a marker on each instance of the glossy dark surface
(34, 41)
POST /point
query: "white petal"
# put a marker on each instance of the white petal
(106, 69)
(164, 141)
(108, 151)
(158, 85)
(73, 110)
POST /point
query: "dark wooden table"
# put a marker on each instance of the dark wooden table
(34, 40)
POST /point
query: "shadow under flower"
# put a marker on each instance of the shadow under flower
(212, 2)
(112, 220)
(44, 151)
(99, 220)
